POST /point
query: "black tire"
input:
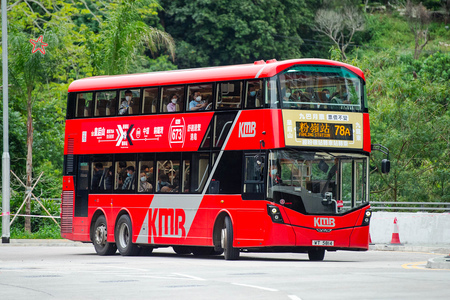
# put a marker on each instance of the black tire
(182, 250)
(99, 236)
(203, 251)
(145, 250)
(317, 254)
(217, 252)
(124, 237)
(229, 252)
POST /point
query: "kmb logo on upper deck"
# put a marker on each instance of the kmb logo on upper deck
(324, 222)
(247, 129)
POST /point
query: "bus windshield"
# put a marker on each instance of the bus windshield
(321, 88)
(317, 182)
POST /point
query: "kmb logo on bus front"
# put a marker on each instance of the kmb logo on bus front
(324, 222)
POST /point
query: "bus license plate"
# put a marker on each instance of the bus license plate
(323, 243)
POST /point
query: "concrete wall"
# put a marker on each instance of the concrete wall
(414, 228)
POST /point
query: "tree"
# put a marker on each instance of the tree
(418, 19)
(223, 32)
(28, 70)
(410, 115)
(340, 25)
(118, 48)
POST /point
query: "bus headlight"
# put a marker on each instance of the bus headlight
(367, 216)
(274, 213)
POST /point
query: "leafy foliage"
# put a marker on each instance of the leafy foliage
(222, 32)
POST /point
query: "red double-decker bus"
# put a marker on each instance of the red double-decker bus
(270, 156)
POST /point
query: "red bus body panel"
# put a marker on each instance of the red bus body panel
(211, 74)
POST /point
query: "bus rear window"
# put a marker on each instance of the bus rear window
(83, 105)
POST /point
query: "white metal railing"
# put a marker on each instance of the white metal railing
(411, 206)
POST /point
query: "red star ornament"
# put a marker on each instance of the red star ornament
(38, 45)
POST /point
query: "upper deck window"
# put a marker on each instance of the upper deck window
(253, 94)
(83, 105)
(229, 95)
(321, 88)
(200, 97)
(105, 103)
(150, 100)
(129, 102)
(172, 99)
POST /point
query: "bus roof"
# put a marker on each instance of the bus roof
(259, 69)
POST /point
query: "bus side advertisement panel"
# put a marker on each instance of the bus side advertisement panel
(254, 126)
(138, 134)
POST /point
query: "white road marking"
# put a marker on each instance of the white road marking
(256, 287)
(293, 297)
(189, 276)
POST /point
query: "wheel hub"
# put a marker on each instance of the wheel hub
(100, 235)
(124, 234)
(223, 238)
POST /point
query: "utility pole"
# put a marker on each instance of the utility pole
(5, 157)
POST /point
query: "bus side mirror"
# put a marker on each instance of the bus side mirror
(385, 166)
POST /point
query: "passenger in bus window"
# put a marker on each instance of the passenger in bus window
(172, 106)
(253, 97)
(121, 174)
(311, 94)
(324, 98)
(274, 175)
(125, 105)
(167, 189)
(163, 181)
(287, 94)
(291, 101)
(109, 178)
(176, 185)
(129, 181)
(197, 103)
(97, 176)
(341, 97)
(144, 186)
(326, 95)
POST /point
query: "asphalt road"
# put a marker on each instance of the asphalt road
(40, 272)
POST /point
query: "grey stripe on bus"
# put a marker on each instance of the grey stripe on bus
(220, 153)
(260, 71)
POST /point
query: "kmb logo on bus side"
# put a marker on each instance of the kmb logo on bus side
(247, 129)
(324, 222)
(167, 222)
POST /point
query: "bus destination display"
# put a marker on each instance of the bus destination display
(328, 131)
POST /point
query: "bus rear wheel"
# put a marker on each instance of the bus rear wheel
(102, 247)
(124, 237)
(226, 239)
(316, 254)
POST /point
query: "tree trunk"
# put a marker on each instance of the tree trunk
(29, 164)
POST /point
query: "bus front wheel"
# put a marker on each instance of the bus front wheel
(102, 247)
(124, 237)
(316, 254)
(226, 239)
